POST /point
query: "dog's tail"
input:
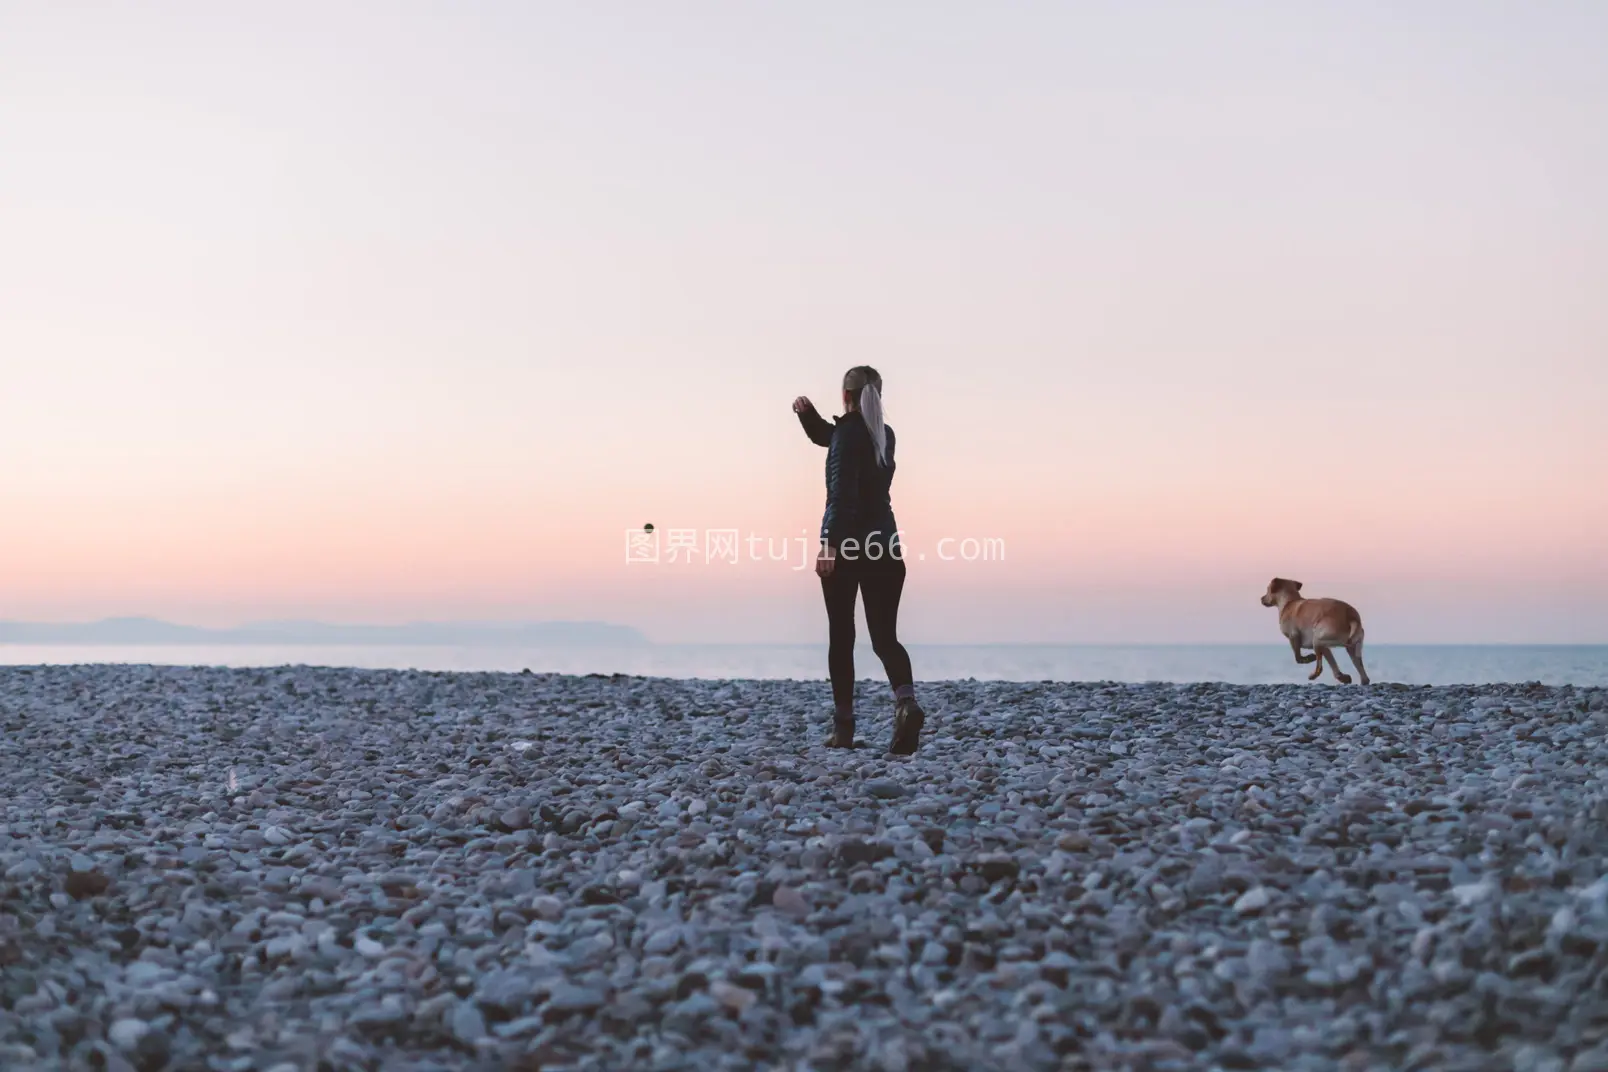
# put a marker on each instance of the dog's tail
(1355, 635)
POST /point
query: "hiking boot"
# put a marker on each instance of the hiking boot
(842, 734)
(908, 718)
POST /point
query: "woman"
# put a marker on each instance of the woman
(860, 553)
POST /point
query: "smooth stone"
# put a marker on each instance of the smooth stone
(1253, 901)
(126, 1034)
(468, 1025)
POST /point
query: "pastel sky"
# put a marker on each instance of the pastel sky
(392, 311)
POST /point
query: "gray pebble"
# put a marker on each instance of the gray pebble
(468, 1025)
(126, 1034)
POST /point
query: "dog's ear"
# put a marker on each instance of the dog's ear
(1295, 585)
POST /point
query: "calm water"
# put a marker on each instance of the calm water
(1247, 664)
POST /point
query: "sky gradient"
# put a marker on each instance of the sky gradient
(381, 312)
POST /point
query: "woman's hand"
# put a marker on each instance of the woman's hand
(825, 563)
(800, 404)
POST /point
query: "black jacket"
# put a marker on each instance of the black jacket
(858, 505)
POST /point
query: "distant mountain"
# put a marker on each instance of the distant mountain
(466, 634)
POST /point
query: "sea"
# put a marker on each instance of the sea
(1250, 664)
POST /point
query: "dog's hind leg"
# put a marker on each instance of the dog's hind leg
(1317, 656)
(1354, 649)
(1295, 646)
(1339, 675)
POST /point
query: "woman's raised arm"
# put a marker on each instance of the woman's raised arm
(817, 427)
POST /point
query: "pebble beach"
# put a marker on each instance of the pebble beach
(293, 869)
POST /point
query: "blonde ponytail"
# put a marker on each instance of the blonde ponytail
(871, 410)
(864, 383)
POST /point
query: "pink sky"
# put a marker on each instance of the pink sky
(1167, 301)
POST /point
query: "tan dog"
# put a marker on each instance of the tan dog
(1319, 624)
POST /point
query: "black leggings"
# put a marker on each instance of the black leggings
(882, 581)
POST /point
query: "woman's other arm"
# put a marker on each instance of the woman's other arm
(843, 463)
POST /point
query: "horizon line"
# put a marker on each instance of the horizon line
(92, 642)
(591, 633)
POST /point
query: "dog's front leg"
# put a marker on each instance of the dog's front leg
(1295, 646)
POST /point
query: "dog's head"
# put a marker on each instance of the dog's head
(1279, 587)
